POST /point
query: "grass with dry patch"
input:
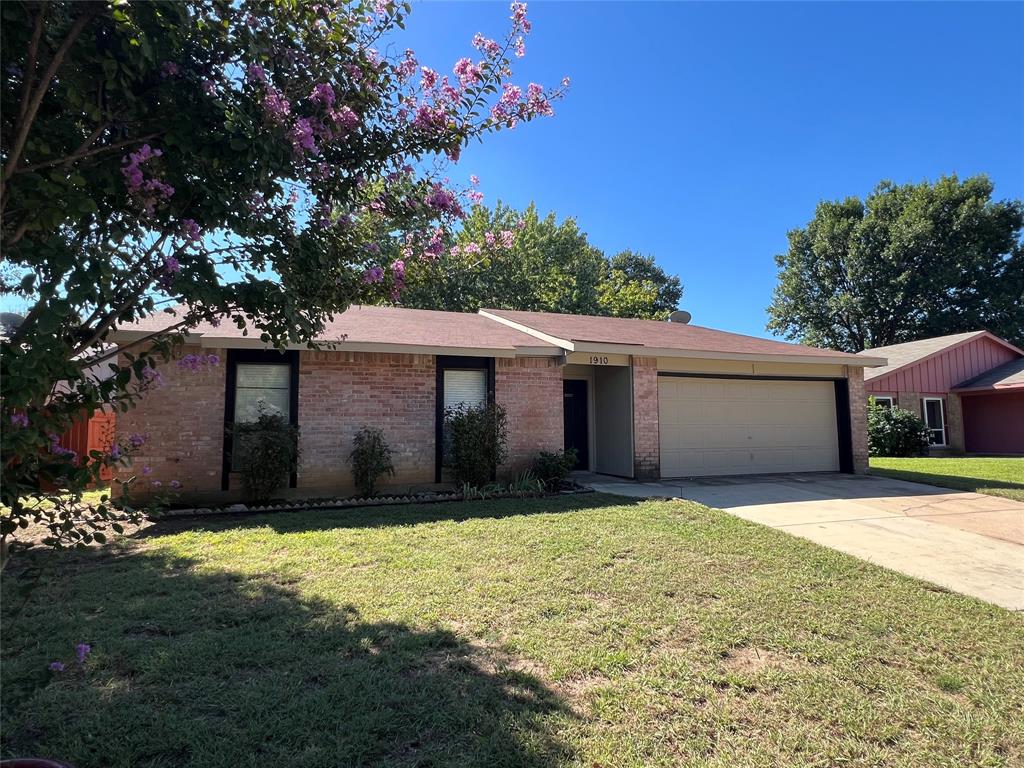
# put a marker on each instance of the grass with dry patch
(578, 631)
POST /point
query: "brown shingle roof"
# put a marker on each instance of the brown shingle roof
(657, 335)
(900, 355)
(1006, 376)
(361, 324)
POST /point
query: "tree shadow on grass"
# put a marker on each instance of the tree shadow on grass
(384, 516)
(192, 667)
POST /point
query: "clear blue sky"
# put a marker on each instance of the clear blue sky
(700, 133)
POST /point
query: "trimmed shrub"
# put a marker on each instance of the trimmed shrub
(476, 439)
(895, 432)
(551, 468)
(267, 452)
(370, 459)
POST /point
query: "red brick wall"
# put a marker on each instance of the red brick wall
(183, 421)
(530, 389)
(858, 419)
(340, 392)
(646, 441)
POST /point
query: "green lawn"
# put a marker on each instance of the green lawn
(996, 477)
(578, 630)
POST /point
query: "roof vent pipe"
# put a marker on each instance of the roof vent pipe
(680, 316)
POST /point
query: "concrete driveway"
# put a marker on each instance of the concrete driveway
(967, 542)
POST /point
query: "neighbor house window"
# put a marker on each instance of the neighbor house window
(883, 401)
(260, 387)
(935, 418)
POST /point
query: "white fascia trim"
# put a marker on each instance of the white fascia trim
(640, 351)
(563, 343)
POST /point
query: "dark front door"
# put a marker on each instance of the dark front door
(574, 397)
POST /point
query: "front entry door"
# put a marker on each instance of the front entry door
(574, 398)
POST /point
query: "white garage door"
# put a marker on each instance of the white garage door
(741, 426)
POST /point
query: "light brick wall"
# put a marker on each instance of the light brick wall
(341, 392)
(183, 422)
(858, 419)
(530, 390)
(646, 443)
(954, 422)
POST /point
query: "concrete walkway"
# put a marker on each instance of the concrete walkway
(966, 542)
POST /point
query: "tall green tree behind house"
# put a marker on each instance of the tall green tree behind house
(909, 262)
(520, 260)
(633, 285)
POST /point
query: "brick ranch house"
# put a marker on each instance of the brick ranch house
(637, 398)
(968, 388)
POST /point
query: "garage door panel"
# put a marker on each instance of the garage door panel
(739, 426)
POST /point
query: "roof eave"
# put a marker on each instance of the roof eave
(635, 349)
(211, 341)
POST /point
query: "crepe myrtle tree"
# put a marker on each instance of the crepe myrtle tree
(248, 162)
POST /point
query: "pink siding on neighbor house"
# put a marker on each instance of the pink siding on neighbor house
(936, 375)
(994, 423)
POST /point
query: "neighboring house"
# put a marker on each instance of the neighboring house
(968, 388)
(636, 398)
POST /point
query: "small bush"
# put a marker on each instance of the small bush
(267, 453)
(370, 459)
(476, 442)
(895, 432)
(551, 468)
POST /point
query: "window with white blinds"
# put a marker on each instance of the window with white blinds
(261, 382)
(469, 387)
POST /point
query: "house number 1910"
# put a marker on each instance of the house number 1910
(599, 360)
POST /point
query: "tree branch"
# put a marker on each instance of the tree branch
(32, 108)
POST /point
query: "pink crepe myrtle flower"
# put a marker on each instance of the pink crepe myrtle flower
(428, 78)
(406, 68)
(345, 117)
(471, 248)
(474, 179)
(323, 94)
(373, 275)
(254, 73)
(507, 238)
(565, 82)
(520, 47)
(518, 17)
(152, 377)
(467, 72)
(302, 137)
(191, 230)
(82, 651)
(209, 88)
(444, 201)
(275, 105)
(486, 45)
(489, 238)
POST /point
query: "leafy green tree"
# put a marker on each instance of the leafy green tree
(909, 262)
(242, 160)
(633, 285)
(511, 260)
(519, 260)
